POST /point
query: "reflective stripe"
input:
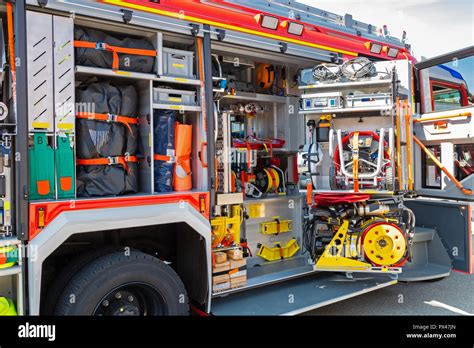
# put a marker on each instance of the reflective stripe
(225, 26)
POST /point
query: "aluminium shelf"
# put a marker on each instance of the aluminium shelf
(349, 84)
(88, 70)
(176, 107)
(256, 97)
(347, 110)
(10, 271)
(9, 241)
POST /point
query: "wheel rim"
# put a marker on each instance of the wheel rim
(132, 299)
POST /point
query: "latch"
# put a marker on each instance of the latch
(127, 15)
(220, 34)
(194, 29)
(101, 46)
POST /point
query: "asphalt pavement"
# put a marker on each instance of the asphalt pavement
(453, 295)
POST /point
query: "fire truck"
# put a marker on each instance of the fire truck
(223, 157)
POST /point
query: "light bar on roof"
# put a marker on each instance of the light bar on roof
(295, 28)
(375, 48)
(269, 22)
(392, 52)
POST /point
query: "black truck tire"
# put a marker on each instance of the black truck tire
(62, 279)
(124, 284)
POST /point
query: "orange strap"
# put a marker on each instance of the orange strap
(309, 194)
(161, 158)
(11, 37)
(108, 161)
(282, 251)
(115, 50)
(181, 160)
(125, 120)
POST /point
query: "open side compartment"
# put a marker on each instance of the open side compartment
(122, 66)
(262, 178)
(169, 151)
(257, 229)
(356, 127)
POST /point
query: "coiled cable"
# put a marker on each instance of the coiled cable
(326, 72)
(358, 68)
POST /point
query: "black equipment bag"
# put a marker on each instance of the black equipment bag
(99, 139)
(103, 59)
(164, 124)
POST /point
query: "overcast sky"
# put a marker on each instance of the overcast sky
(433, 27)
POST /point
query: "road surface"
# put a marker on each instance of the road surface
(453, 295)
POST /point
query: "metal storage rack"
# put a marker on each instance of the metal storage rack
(351, 117)
(387, 85)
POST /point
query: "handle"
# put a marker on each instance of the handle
(203, 144)
(178, 56)
(441, 117)
(174, 95)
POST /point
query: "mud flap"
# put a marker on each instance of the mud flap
(451, 221)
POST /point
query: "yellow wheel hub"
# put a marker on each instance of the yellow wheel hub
(384, 244)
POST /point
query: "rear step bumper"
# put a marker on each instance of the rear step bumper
(299, 295)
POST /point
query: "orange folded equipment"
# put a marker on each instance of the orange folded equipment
(182, 179)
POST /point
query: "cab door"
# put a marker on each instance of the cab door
(444, 154)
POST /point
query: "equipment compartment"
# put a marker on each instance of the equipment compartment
(154, 95)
